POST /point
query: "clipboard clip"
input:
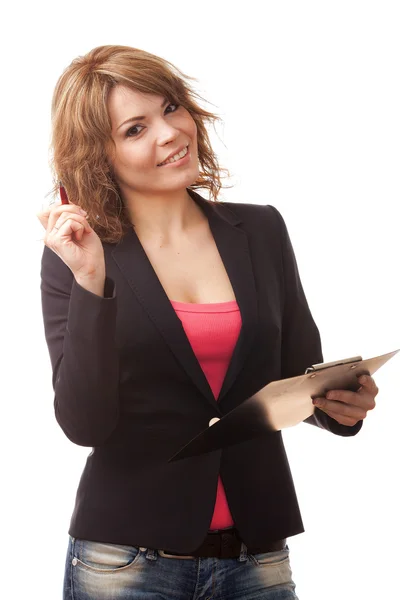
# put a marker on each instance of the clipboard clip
(336, 363)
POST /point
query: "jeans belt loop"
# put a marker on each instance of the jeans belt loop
(243, 553)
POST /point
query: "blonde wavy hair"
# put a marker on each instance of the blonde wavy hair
(81, 129)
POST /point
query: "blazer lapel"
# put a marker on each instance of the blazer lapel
(233, 248)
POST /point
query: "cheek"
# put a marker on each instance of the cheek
(192, 127)
(188, 124)
(134, 158)
(194, 134)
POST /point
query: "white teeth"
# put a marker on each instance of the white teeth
(176, 157)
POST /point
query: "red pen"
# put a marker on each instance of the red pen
(63, 194)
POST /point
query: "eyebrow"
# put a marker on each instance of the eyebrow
(131, 119)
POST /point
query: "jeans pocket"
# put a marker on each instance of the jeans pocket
(104, 557)
(273, 569)
(271, 558)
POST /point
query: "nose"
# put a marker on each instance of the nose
(166, 133)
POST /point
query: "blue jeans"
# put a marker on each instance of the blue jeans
(100, 571)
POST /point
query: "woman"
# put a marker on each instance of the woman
(162, 311)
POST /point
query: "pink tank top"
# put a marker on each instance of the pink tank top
(213, 330)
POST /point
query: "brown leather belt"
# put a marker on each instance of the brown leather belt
(225, 543)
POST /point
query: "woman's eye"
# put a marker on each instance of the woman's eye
(172, 104)
(132, 131)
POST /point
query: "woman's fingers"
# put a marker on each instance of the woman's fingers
(347, 406)
(51, 214)
(64, 218)
(339, 409)
(61, 213)
(65, 226)
(343, 419)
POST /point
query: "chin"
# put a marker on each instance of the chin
(181, 180)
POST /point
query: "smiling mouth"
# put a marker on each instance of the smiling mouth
(171, 161)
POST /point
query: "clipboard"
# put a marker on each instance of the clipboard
(280, 404)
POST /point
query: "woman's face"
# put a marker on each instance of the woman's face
(142, 144)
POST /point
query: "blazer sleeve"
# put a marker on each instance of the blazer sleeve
(80, 334)
(301, 342)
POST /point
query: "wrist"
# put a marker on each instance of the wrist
(92, 283)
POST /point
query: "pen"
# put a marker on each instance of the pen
(63, 194)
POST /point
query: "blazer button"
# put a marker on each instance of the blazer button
(213, 421)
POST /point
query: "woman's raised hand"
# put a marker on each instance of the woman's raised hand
(70, 236)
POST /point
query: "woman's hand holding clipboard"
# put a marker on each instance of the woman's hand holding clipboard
(287, 402)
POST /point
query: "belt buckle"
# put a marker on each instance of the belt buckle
(178, 556)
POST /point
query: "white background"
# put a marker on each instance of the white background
(309, 93)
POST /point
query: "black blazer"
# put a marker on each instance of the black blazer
(128, 384)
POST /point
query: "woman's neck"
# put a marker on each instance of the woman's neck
(165, 218)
